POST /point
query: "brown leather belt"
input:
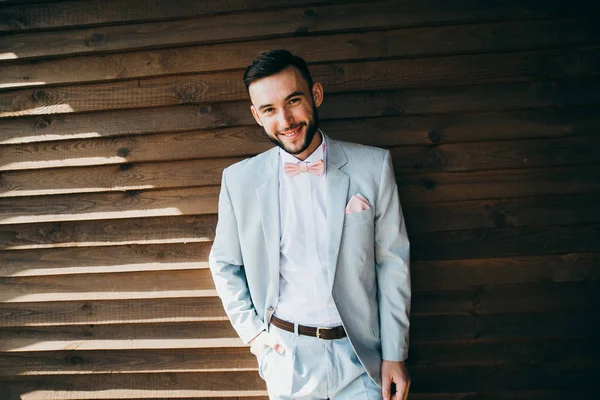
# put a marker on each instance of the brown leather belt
(336, 332)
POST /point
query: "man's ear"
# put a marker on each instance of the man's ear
(317, 92)
(255, 115)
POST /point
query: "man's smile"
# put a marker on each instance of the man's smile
(293, 133)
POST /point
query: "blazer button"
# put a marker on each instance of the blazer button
(270, 309)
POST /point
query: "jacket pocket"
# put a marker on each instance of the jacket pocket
(359, 217)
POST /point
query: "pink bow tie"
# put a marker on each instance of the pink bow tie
(293, 169)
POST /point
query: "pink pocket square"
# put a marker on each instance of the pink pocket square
(357, 203)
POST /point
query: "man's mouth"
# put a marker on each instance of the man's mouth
(291, 133)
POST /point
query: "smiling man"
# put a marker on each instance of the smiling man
(311, 256)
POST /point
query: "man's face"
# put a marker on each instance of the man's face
(286, 108)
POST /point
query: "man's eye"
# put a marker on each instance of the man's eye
(295, 100)
(267, 110)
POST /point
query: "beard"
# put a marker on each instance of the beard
(311, 129)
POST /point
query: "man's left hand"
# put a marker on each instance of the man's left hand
(394, 372)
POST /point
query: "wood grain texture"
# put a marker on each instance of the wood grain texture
(476, 156)
(560, 351)
(114, 178)
(425, 379)
(426, 275)
(519, 99)
(420, 218)
(455, 186)
(249, 140)
(78, 13)
(122, 258)
(117, 118)
(129, 204)
(341, 77)
(88, 12)
(502, 242)
(492, 36)
(128, 231)
(91, 321)
(413, 42)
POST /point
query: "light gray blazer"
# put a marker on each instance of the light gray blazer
(367, 252)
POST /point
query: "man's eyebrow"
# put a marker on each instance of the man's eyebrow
(296, 93)
(289, 96)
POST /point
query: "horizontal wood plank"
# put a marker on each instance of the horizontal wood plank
(124, 361)
(497, 155)
(95, 289)
(129, 204)
(77, 13)
(127, 231)
(154, 336)
(425, 380)
(563, 351)
(465, 273)
(476, 156)
(421, 218)
(131, 386)
(114, 178)
(492, 36)
(123, 258)
(530, 211)
(88, 12)
(124, 285)
(454, 186)
(416, 42)
(162, 311)
(458, 244)
(249, 140)
(66, 322)
(503, 242)
(338, 106)
(436, 72)
(426, 275)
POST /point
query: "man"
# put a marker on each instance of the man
(311, 257)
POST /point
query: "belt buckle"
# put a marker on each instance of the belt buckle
(319, 329)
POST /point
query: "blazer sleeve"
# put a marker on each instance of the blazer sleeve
(392, 258)
(227, 268)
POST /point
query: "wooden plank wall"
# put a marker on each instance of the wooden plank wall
(117, 118)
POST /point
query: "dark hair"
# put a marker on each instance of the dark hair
(272, 62)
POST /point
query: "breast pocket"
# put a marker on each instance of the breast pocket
(359, 217)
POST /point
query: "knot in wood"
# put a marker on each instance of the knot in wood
(96, 39)
(310, 13)
(75, 360)
(434, 137)
(40, 95)
(428, 184)
(187, 93)
(41, 123)
(122, 152)
(205, 109)
(125, 167)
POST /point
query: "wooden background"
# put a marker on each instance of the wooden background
(117, 118)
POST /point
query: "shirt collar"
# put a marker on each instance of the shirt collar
(318, 154)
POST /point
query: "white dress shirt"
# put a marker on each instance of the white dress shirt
(304, 295)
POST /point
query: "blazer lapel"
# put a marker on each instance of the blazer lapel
(267, 193)
(337, 193)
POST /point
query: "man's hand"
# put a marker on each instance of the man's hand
(394, 372)
(262, 341)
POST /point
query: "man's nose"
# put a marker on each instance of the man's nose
(285, 118)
